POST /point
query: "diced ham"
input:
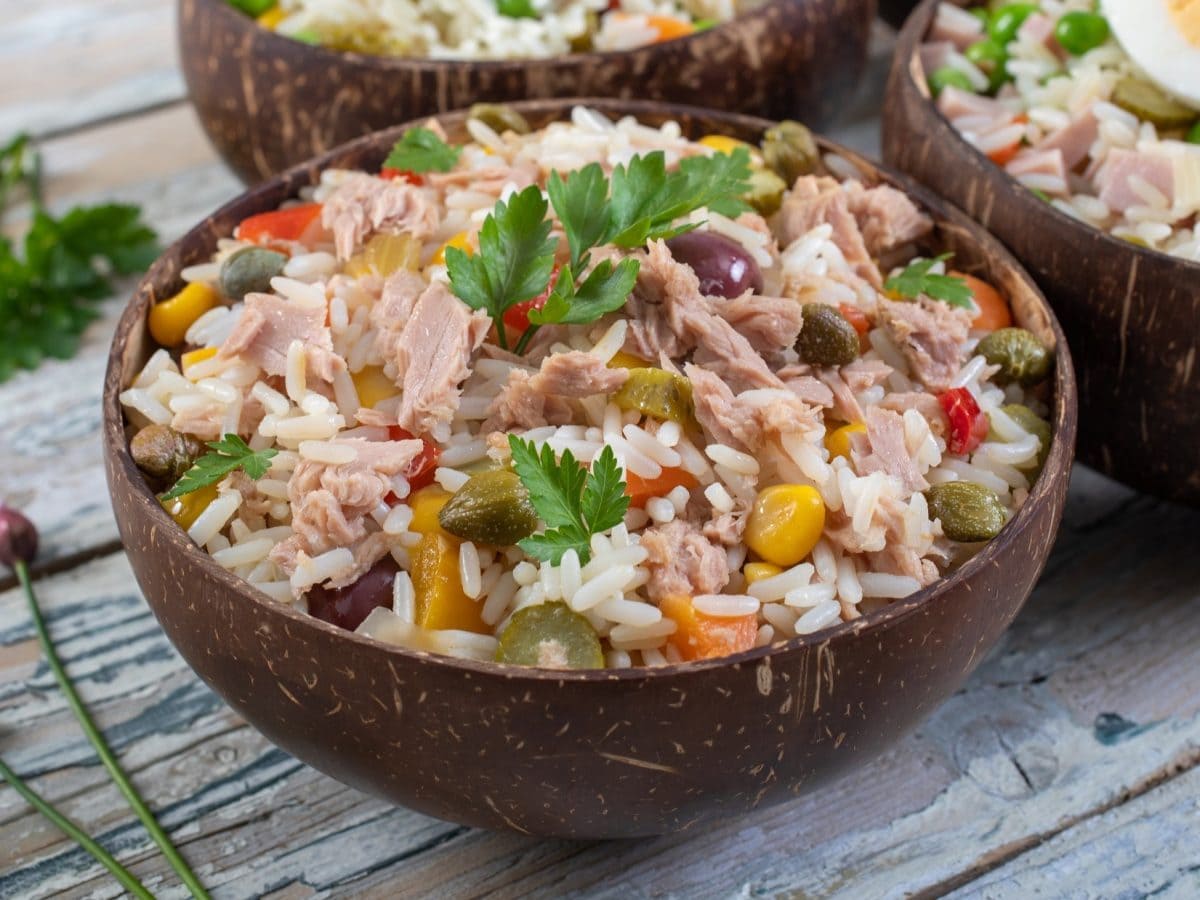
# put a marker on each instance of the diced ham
(770, 324)
(433, 357)
(532, 400)
(883, 449)
(955, 103)
(935, 55)
(267, 327)
(817, 200)
(956, 26)
(393, 309)
(1048, 166)
(1113, 179)
(364, 205)
(930, 335)
(682, 562)
(1075, 140)
(1038, 30)
(886, 217)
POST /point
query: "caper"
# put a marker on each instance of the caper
(790, 150)
(827, 338)
(1035, 425)
(766, 191)
(550, 636)
(969, 512)
(656, 393)
(249, 271)
(164, 453)
(491, 508)
(1147, 101)
(1019, 354)
(499, 117)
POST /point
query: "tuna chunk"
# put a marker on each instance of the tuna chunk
(886, 217)
(930, 334)
(682, 562)
(1075, 140)
(490, 180)
(433, 357)
(818, 200)
(800, 380)
(751, 420)
(924, 403)
(532, 400)
(364, 205)
(1121, 166)
(883, 449)
(391, 313)
(268, 326)
(770, 324)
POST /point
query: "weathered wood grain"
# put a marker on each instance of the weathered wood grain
(67, 64)
(1006, 765)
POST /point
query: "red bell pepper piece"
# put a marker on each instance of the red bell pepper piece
(420, 470)
(968, 425)
(391, 174)
(516, 317)
(295, 223)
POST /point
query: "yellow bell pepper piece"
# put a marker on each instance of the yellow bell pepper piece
(170, 320)
(373, 386)
(623, 360)
(384, 255)
(759, 571)
(837, 442)
(271, 18)
(440, 600)
(722, 143)
(186, 509)
(426, 504)
(785, 523)
(462, 241)
(192, 357)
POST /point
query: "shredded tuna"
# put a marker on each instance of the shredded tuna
(364, 205)
(924, 403)
(532, 400)
(883, 449)
(770, 324)
(886, 217)
(433, 358)
(817, 200)
(268, 326)
(751, 420)
(489, 180)
(393, 310)
(930, 334)
(254, 506)
(682, 562)
(800, 381)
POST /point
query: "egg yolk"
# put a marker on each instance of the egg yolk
(1186, 16)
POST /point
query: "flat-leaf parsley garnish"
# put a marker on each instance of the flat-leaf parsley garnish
(575, 503)
(228, 454)
(916, 280)
(421, 150)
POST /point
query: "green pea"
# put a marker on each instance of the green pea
(948, 76)
(1193, 134)
(969, 512)
(1078, 32)
(992, 58)
(981, 14)
(1008, 19)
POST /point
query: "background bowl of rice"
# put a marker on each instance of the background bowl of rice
(602, 753)
(268, 102)
(1132, 315)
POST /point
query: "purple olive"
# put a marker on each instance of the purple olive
(347, 607)
(723, 266)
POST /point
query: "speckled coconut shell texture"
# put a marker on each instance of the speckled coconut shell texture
(268, 102)
(1131, 315)
(581, 754)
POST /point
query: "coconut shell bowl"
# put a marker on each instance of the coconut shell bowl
(583, 754)
(1131, 315)
(268, 102)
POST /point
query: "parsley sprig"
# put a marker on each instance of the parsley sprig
(48, 292)
(573, 502)
(516, 9)
(916, 280)
(421, 150)
(228, 454)
(641, 202)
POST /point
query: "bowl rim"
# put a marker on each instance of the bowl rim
(429, 64)
(1058, 463)
(906, 60)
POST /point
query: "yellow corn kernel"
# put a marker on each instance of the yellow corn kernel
(623, 360)
(461, 240)
(373, 386)
(437, 586)
(186, 509)
(758, 571)
(837, 442)
(272, 17)
(785, 523)
(426, 504)
(722, 143)
(170, 320)
(192, 357)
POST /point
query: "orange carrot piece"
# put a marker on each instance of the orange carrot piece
(993, 308)
(699, 636)
(642, 489)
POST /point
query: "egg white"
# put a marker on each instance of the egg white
(1153, 40)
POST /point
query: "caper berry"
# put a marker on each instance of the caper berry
(491, 508)
(550, 636)
(969, 512)
(249, 271)
(827, 338)
(1019, 354)
(499, 117)
(789, 149)
(1079, 31)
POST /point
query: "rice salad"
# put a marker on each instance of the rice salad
(1047, 91)
(490, 29)
(591, 395)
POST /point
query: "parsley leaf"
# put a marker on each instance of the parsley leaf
(252, 8)
(516, 9)
(605, 290)
(916, 280)
(579, 202)
(572, 501)
(420, 150)
(515, 258)
(228, 454)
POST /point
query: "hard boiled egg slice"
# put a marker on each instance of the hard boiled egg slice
(1163, 38)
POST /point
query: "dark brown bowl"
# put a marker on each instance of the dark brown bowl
(268, 102)
(1131, 315)
(580, 754)
(894, 12)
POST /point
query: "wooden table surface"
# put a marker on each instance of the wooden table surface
(1065, 767)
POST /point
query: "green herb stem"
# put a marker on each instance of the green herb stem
(102, 749)
(523, 343)
(77, 834)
